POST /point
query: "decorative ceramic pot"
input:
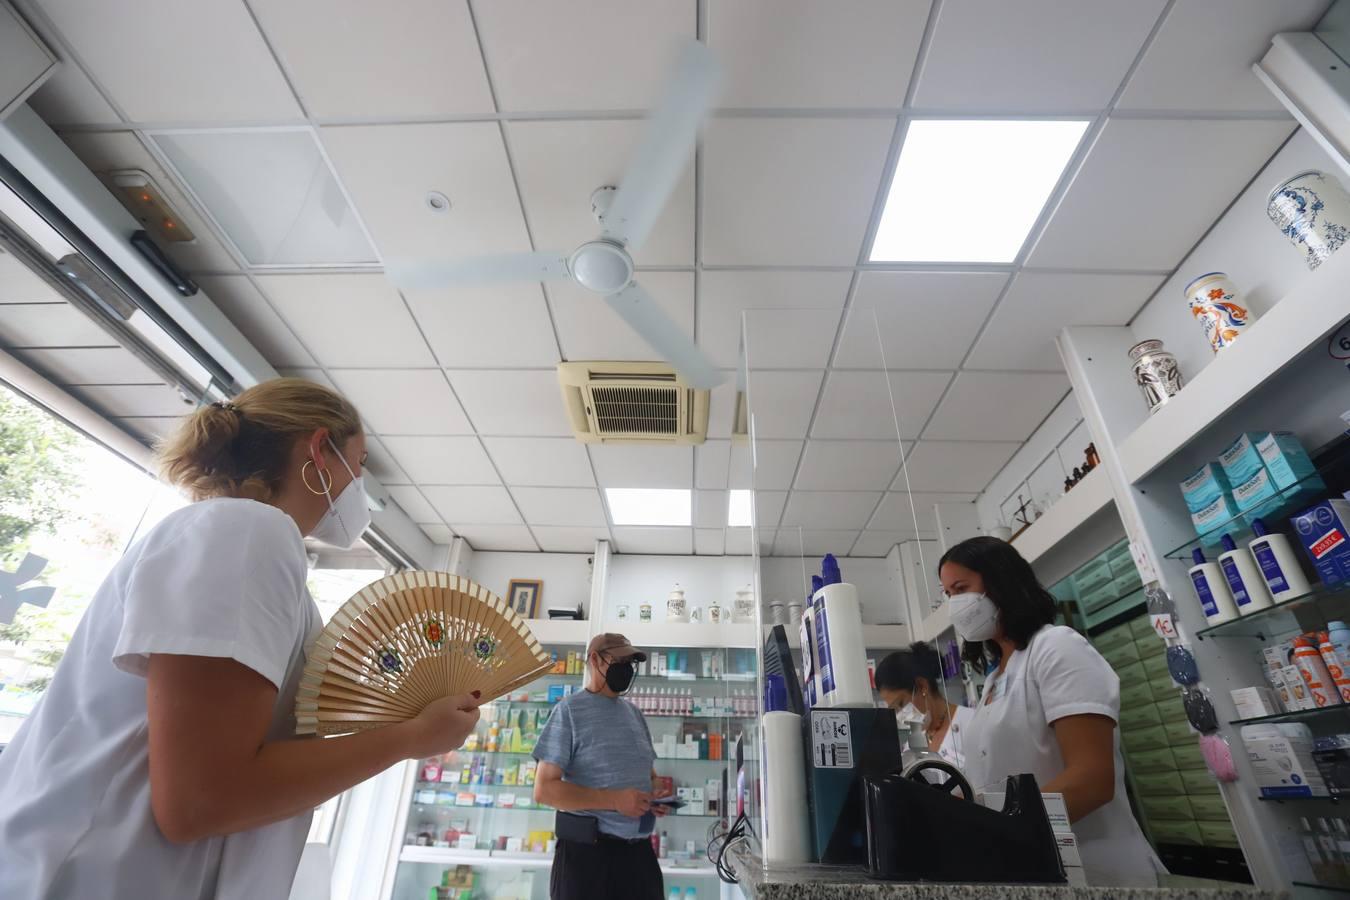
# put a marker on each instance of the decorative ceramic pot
(1213, 302)
(645, 612)
(716, 614)
(1156, 373)
(743, 610)
(623, 612)
(777, 613)
(1312, 209)
(677, 610)
(696, 614)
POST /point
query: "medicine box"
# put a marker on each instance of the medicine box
(1282, 760)
(1287, 461)
(1224, 509)
(1322, 530)
(1255, 702)
(1255, 490)
(1242, 460)
(1204, 486)
(1055, 809)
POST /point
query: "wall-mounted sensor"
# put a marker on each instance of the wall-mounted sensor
(144, 200)
(437, 202)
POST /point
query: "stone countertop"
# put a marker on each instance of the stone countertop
(818, 882)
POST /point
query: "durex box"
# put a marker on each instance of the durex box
(1287, 461)
(1204, 486)
(1322, 530)
(1242, 460)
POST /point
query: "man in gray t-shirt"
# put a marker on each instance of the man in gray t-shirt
(595, 767)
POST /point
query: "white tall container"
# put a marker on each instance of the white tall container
(1212, 590)
(1244, 578)
(1279, 566)
(787, 837)
(841, 652)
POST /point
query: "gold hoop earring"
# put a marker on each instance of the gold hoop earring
(325, 477)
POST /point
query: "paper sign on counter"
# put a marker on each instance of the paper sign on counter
(831, 744)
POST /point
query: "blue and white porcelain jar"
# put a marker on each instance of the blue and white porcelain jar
(1313, 211)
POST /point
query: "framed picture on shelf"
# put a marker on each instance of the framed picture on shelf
(523, 596)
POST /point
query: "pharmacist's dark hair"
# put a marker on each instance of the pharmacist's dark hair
(898, 671)
(1024, 607)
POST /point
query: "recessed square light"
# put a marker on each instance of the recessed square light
(650, 506)
(738, 508)
(969, 190)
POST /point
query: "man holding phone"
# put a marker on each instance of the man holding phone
(595, 760)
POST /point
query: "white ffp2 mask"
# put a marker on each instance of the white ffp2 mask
(348, 516)
(974, 616)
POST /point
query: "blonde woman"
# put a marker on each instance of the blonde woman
(161, 760)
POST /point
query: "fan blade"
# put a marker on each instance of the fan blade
(672, 129)
(427, 274)
(636, 307)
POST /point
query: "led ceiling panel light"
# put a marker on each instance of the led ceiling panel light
(969, 190)
(738, 508)
(650, 506)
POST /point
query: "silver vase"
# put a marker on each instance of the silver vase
(1156, 373)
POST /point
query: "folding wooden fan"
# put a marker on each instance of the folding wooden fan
(409, 639)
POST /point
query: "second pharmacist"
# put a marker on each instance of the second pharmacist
(1050, 706)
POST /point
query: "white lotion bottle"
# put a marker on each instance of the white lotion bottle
(1244, 578)
(1278, 564)
(1212, 590)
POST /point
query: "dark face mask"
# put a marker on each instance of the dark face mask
(619, 676)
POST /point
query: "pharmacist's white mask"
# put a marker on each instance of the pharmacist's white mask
(974, 616)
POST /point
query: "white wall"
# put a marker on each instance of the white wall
(1261, 262)
(566, 576)
(1040, 461)
(878, 581)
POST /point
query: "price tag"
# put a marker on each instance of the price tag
(1147, 573)
(1162, 624)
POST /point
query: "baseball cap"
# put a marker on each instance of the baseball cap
(615, 646)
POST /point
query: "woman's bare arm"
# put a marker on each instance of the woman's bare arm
(1088, 781)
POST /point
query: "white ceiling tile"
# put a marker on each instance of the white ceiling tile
(381, 463)
(487, 326)
(712, 464)
(1021, 334)
(318, 376)
(472, 505)
(1035, 55)
(792, 320)
(353, 58)
(229, 76)
(1201, 58)
(829, 509)
(348, 320)
(438, 534)
(547, 462)
(581, 54)
(879, 543)
(512, 403)
(579, 507)
(50, 325)
(994, 406)
(70, 98)
(150, 429)
(780, 403)
(790, 191)
(90, 365)
(813, 542)
(921, 320)
(848, 465)
(498, 537)
(589, 330)
(966, 466)
(553, 539)
(642, 466)
(739, 542)
(442, 460)
(806, 54)
(20, 284)
(775, 463)
(135, 400)
(1112, 216)
(899, 509)
(710, 509)
(722, 407)
(769, 509)
(249, 311)
(108, 151)
(403, 401)
(414, 504)
(709, 541)
(861, 405)
(559, 164)
(390, 168)
(654, 540)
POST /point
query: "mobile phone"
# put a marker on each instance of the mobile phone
(669, 802)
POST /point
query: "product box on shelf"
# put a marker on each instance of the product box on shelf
(1204, 486)
(1255, 702)
(1282, 760)
(1223, 509)
(1332, 756)
(1287, 461)
(1255, 490)
(1322, 530)
(1242, 460)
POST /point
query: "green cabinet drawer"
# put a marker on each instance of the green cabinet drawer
(1154, 666)
(1127, 582)
(1170, 808)
(1153, 760)
(1119, 657)
(1170, 708)
(1136, 694)
(1178, 732)
(1118, 557)
(1109, 640)
(1131, 674)
(1217, 834)
(1138, 717)
(1153, 784)
(1097, 597)
(1142, 627)
(1144, 738)
(1063, 591)
(1198, 782)
(1165, 832)
(1150, 645)
(1209, 807)
(1189, 757)
(1164, 688)
(1092, 576)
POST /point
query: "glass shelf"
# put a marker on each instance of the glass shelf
(1298, 715)
(1275, 510)
(1327, 799)
(1329, 602)
(1329, 888)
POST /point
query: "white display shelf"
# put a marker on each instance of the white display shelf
(938, 621)
(449, 856)
(1089, 497)
(879, 637)
(1298, 321)
(690, 635)
(560, 631)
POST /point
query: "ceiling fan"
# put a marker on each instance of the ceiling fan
(626, 215)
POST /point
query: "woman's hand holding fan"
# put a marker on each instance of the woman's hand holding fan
(442, 726)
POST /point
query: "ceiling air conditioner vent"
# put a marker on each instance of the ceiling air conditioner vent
(632, 403)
